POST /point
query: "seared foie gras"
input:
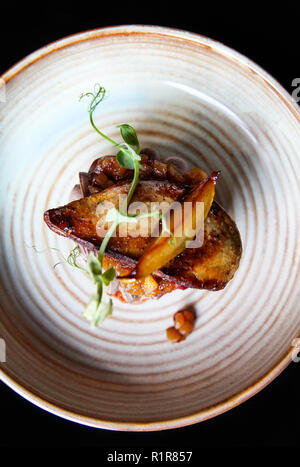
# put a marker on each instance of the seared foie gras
(210, 266)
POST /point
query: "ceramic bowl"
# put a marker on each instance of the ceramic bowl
(187, 96)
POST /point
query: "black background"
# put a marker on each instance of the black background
(269, 419)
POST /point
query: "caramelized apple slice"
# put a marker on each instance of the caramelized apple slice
(162, 250)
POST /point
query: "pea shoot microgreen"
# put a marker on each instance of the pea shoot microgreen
(128, 156)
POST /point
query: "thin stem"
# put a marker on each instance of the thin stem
(99, 292)
(105, 241)
(133, 183)
(100, 132)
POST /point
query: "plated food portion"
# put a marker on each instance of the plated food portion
(125, 375)
(146, 227)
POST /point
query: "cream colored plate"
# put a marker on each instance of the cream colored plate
(186, 95)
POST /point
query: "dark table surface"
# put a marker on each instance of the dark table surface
(269, 419)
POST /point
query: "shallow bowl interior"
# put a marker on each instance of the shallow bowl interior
(189, 96)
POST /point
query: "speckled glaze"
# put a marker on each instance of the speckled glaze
(187, 96)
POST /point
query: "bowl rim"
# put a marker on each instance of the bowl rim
(270, 82)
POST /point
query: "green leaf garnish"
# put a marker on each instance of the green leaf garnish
(93, 266)
(107, 311)
(127, 157)
(92, 311)
(97, 310)
(125, 160)
(109, 276)
(129, 136)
